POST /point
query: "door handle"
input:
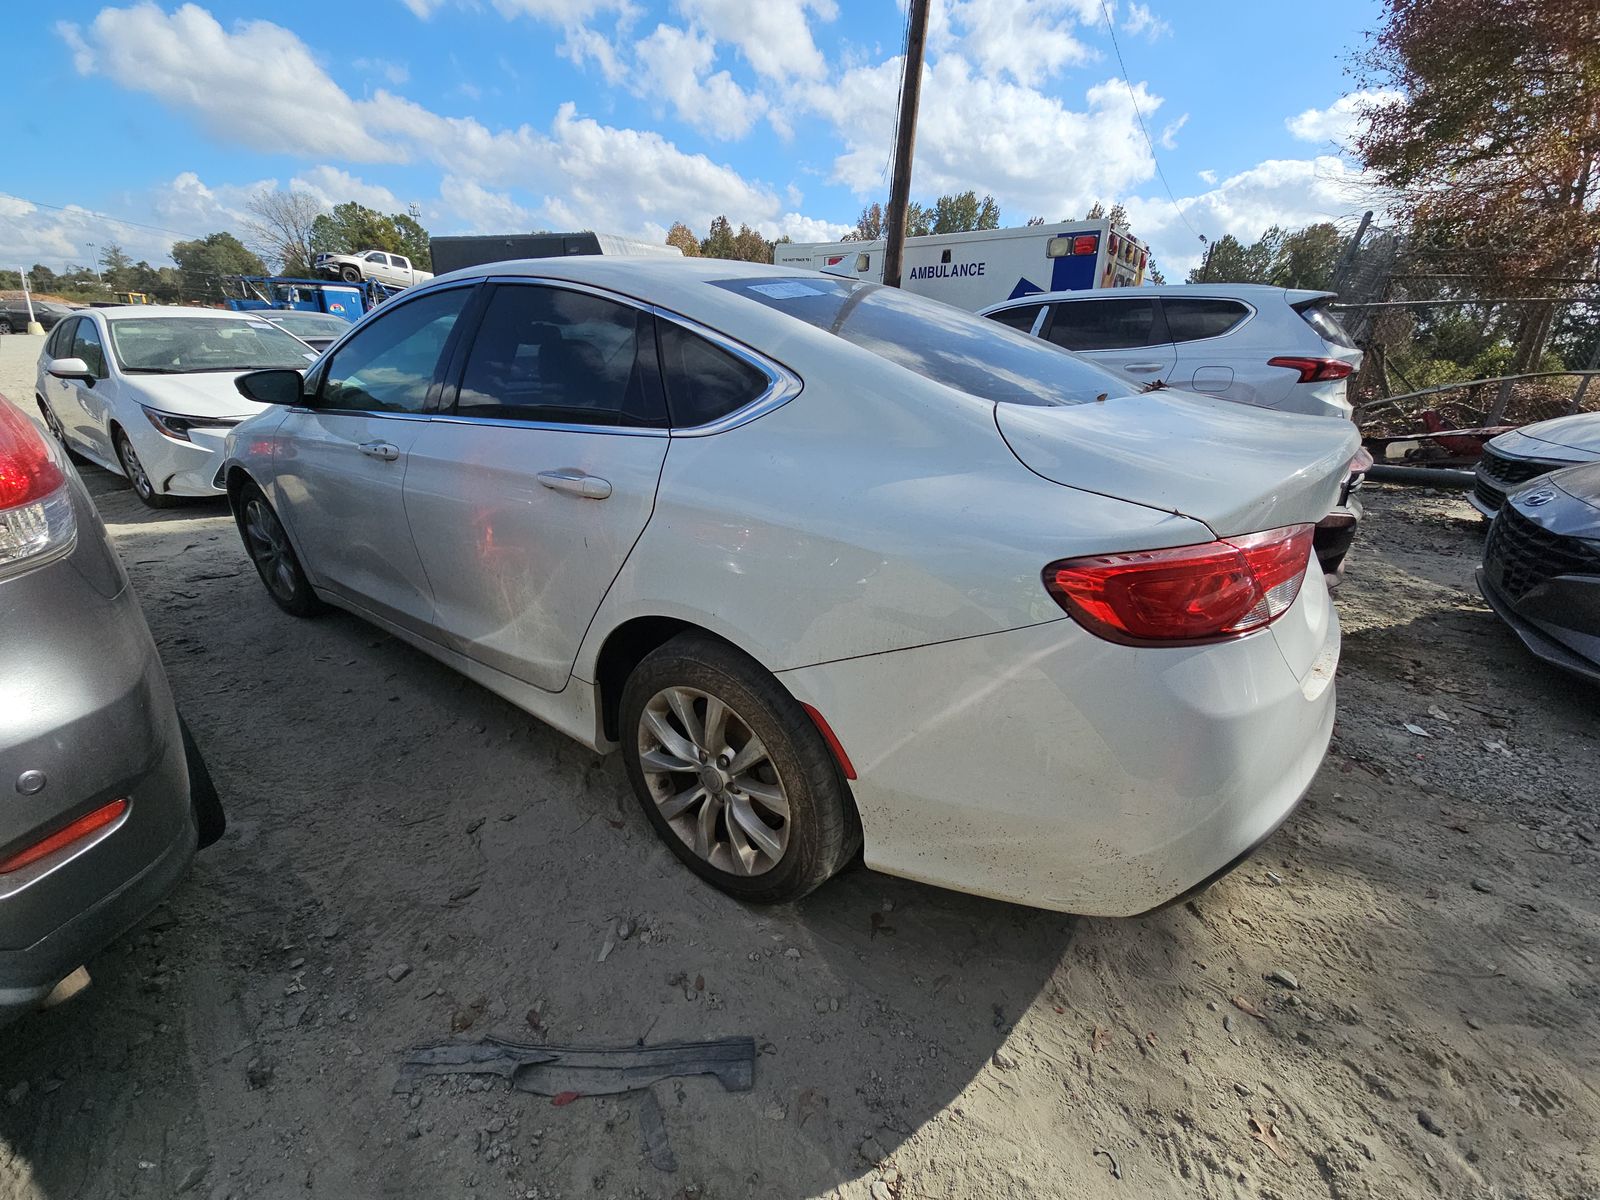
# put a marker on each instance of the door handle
(576, 483)
(1143, 368)
(383, 450)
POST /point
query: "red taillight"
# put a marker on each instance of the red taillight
(62, 838)
(27, 472)
(1086, 243)
(1186, 594)
(1313, 370)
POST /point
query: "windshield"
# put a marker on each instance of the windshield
(310, 324)
(947, 345)
(178, 345)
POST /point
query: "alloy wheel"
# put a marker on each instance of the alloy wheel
(52, 424)
(269, 548)
(713, 781)
(135, 469)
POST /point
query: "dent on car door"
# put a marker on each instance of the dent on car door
(526, 497)
(342, 459)
(1125, 334)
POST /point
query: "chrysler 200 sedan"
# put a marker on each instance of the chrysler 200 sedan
(836, 567)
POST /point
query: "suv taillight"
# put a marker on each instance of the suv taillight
(1313, 370)
(35, 506)
(1187, 594)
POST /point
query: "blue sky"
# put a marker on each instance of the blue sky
(496, 115)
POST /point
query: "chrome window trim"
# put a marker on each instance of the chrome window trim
(783, 384)
(1039, 319)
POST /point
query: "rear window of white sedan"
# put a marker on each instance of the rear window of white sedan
(947, 345)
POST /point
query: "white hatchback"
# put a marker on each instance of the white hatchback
(1268, 346)
(833, 566)
(147, 390)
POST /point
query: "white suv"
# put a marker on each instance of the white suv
(1268, 346)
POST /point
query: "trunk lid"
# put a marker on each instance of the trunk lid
(1237, 469)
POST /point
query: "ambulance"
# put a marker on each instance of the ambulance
(986, 266)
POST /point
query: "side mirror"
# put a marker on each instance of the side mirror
(277, 386)
(69, 368)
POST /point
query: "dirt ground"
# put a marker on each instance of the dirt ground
(1433, 907)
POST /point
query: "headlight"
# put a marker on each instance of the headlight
(177, 428)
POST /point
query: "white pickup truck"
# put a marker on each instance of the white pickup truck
(391, 270)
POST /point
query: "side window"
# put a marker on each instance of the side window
(377, 256)
(396, 260)
(389, 366)
(59, 344)
(1020, 318)
(705, 382)
(1190, 320)
(86, 345)
(1102, 324)
(563, 357)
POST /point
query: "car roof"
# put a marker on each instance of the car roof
(124, 311)
(1227, 291)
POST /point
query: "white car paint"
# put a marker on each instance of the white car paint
(88, 414)
(1233, 365)
(871, 537)
(392, 270)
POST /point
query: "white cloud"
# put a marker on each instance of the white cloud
(1036, 155)
(801, 228)
(396, 73)
(675, 66)
(1030, 40)
(1286, 192)
(1342, 121)
(1140, 19)
(423, 9)
(773, 35)
(258, 85)
(331, 186)
(1207, 176)
(465, 207)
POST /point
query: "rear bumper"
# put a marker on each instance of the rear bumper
(1334, 535)
(1047, 767)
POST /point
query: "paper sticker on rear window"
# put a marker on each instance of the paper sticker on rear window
(787, 290)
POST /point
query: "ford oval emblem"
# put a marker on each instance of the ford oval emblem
(1539, 498)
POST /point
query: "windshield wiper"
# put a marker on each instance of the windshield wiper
(151, 371)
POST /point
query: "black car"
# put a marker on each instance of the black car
(1541, 568)
(14, 314)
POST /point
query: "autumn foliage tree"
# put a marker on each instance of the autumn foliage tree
(1492, 147)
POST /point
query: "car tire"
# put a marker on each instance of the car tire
(267, 544)
(138, 478)
(52, 424)
(768, 832)
(350, 274)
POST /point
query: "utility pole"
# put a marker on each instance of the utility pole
(905, 142)
(1348, 258)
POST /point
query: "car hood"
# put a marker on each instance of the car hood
(1582, 484)
(1579, 432)
(1236, 468)
(203, 394)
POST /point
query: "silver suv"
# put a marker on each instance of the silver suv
(103, 795)
(1269, 346)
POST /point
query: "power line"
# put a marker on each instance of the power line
(1176, 207)
(91, 213)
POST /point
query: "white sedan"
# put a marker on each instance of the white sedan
(147, 391)
(839, 569)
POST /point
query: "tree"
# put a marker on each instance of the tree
(719, 241)
(204, 261)
(1491, 142)
(115, 267)
(1305, 258)
(681, 236)
(963, 211)
(415, 241)
(281, 228)
(750, 246)
(869, 225)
